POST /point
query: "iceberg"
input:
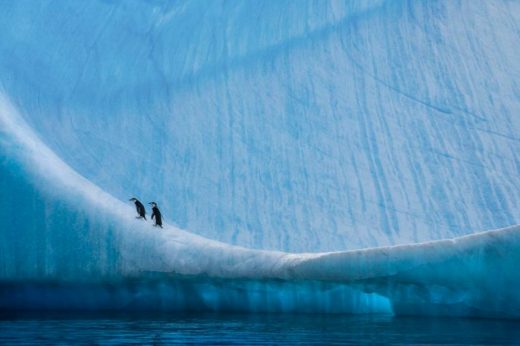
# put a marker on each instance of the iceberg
(337, 158)
(117, 262)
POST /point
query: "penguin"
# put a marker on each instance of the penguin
(139, 207)
(157, 214)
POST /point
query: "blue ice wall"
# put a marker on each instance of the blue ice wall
(301, 126)
(67, 244)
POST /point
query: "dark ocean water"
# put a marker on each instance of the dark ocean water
(258, 329)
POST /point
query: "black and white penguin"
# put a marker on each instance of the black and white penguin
(156, 213)
(139, 207)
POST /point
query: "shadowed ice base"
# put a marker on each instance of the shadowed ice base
(192, 294)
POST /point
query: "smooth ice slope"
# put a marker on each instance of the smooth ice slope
(295, 126)
(73, 246)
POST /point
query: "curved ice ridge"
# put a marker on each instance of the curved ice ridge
(73, 246)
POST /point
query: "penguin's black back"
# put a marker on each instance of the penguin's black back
(140, 208)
